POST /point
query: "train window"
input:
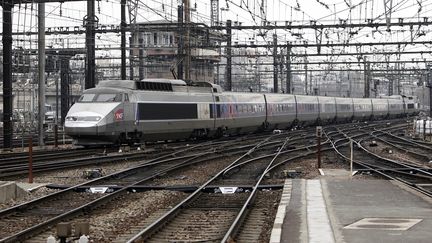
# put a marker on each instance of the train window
(106, 98)
(86, 98)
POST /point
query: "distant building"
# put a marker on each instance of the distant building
(154, 51)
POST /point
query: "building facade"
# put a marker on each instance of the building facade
(155, 52)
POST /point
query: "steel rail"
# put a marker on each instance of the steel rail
(88, 206)
(379, 171)
(235, 225)
(392, 143)
(185, 161)
(409, 141)
(152, 228)
(420, 170)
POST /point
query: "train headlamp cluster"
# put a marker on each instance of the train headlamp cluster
(84, 118)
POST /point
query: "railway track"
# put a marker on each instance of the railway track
(39, 216)
(240, 219)
(44, 161)
(49, 210)
(15, 164)
(414, 176)
(409, 145)
(211, 217)
(56, 207)
(20, 140)
(412, 153)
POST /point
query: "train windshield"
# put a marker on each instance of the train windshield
(101, 98)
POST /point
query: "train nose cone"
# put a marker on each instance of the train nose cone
(82, 119)
(82, 123)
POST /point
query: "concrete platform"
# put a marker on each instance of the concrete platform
(13, 190)
(340, 173)
(338, 209)
(9, 190)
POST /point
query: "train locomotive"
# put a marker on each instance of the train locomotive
(126, 111)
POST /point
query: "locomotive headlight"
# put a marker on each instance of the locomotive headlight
(83, 118)
(91, 118)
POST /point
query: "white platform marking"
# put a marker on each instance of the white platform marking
(319, 229)
(384, 224)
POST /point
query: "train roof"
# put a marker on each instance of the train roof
(173, 85)
(166, 81)
(145, 84)
(123, 84)
(398, 97)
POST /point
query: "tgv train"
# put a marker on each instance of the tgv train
(126, 111)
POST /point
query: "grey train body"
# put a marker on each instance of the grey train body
(125, 111)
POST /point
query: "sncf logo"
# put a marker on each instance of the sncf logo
(118, 115)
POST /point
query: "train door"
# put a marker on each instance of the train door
(213, 108)
(389, 109)
(296, 109)
(128, 111)
(266, 122)
(130, 125)
(404, 104)
(319, 110)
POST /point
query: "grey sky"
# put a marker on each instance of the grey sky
(247, 12)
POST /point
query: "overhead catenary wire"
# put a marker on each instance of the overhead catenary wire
(242, 35)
